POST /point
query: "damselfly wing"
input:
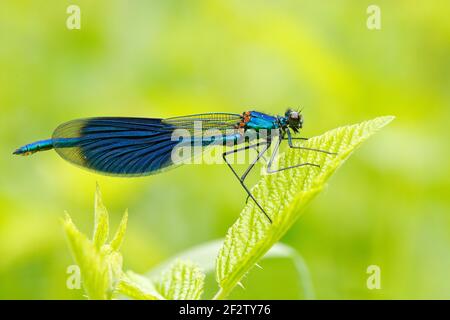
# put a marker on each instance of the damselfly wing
(136, 146)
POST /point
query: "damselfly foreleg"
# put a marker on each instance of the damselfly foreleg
(274, 154)
(289, 138)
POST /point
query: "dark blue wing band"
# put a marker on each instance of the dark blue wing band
(117, 146)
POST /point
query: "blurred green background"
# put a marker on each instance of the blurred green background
(389, 205)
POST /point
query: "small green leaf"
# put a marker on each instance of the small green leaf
(284, 195)
(95, 271)
(101, 224)
(100, 263)
(117, 240)
(183, 281)
(137, 287)
(204, 256)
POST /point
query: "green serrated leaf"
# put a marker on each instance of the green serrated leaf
(137, 287)
(117, 240)
(204, 256)
(100, 263)
(284, 195)
(101, 224)
(95, 271)
(183, 281)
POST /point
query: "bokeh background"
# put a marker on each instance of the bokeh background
(389, 205)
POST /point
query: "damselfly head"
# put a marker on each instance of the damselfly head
(294, 119)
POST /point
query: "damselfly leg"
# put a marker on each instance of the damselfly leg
(265, 146)
(289, 138)
(274, 154)
(241, 179)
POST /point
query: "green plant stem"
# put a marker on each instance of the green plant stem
(221, 294)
